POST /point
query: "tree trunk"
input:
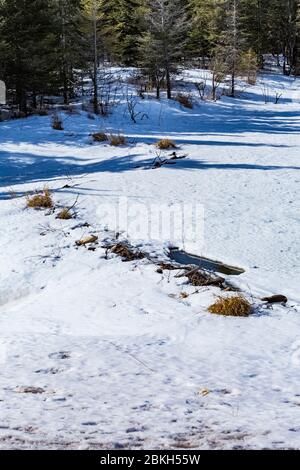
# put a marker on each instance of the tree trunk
(213, 88)
(233, 84)
(157, 91)
(65, 85)
(95, 100)
(21, 98)
(169, 86)
(34, 100)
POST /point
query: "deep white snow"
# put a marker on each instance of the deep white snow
(121, 358)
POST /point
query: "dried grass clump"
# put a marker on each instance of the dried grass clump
(200, 278)
(116, 140)
(100, 137)
(165, 144)
(41, 200)
(125, 252)
(236, 306)
(57, 123)
(64, 214)
(185, 100)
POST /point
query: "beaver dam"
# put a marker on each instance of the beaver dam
(182, 257)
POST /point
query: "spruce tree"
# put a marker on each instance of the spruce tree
(123, 21)
(93, 16)
(230, 42)
(27, 47)
(254, 23)
(69, 43)
(166, 36)
(204, 28)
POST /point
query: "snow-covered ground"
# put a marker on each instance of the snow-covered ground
(120, 357)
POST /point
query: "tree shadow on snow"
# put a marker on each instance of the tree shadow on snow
(36, 164)
(41, 169)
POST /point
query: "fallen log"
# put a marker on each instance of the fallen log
(275, 299)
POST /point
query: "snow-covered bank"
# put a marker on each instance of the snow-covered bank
(121, 357)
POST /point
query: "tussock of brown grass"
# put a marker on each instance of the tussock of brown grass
(200, 278)
(185, 100)
(100, 137)
(116, 140)
(166, 144)
(40, 200)
(168, 267)
(236, 306)
(126, 252)
(64, 214)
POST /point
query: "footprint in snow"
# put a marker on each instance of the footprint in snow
(50, 370)
(31, 390)
(60, 355)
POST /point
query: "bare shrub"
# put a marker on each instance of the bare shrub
(132, 103)
(185, 100)
(278, 96)
(108, 90)
(201, 88)
(265, 90)
(219, 70)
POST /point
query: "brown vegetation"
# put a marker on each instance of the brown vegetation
(165, 144)
(236, 306)
(41, 200)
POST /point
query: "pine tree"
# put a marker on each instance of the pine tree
(165, 38)
(69, 43)
(204, 28)
(289, 34)
(93, 15)
(123, 29)
(27, 46)
(248, 66)
(254, 23)
(282, 32)
(44, 42)
(230, 43)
